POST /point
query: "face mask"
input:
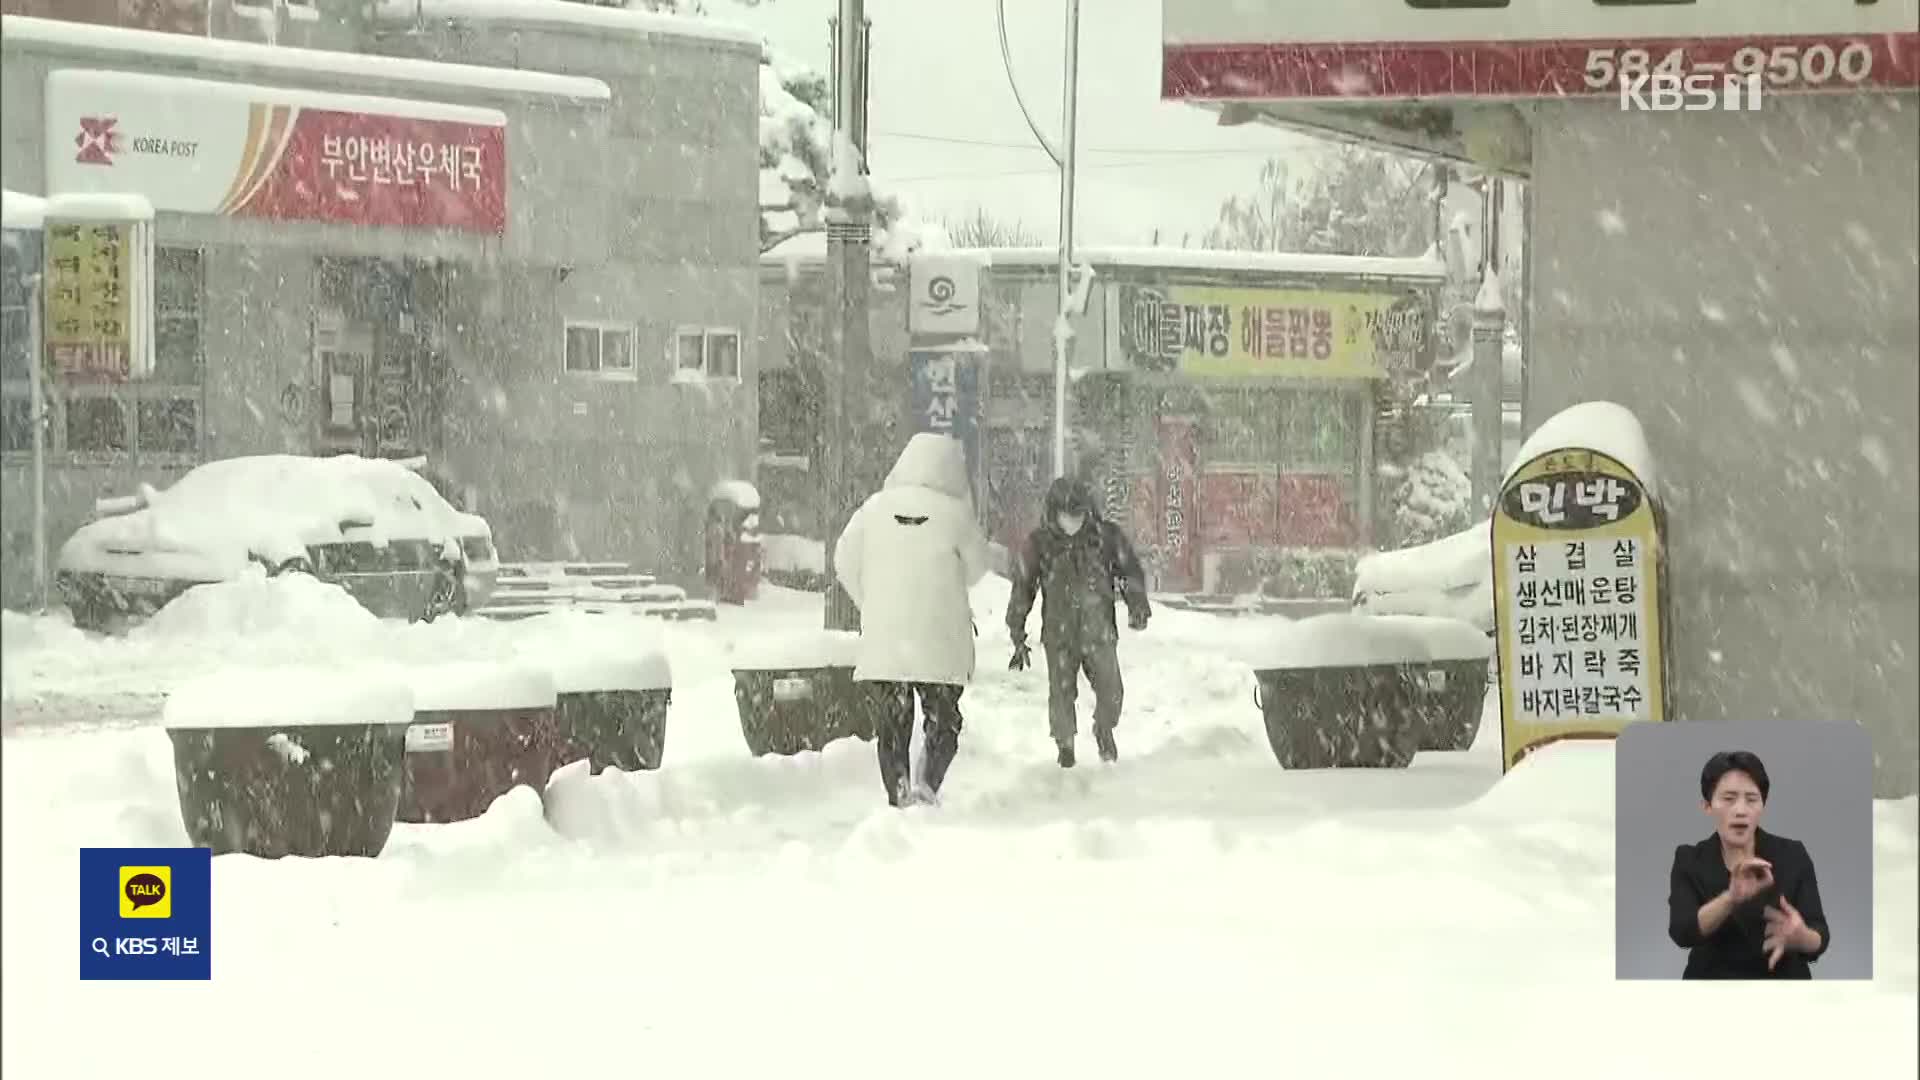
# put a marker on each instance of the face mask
(1070, 523)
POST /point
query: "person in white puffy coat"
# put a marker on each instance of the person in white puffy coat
(908, 557)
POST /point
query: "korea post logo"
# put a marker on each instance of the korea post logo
(146, 892)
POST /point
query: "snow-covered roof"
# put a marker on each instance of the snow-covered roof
(1600, 426)
(19, 210)
(1269, 262)
(570, 14)
(811, 246)
(108, 40)
(135, 84)
(86, 205)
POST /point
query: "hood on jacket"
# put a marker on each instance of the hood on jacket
(932, 461)
(1066, 494)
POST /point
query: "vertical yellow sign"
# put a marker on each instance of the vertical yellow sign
(1577, 602)
(89, 299)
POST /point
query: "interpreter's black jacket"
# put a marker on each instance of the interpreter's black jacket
(1734, 951)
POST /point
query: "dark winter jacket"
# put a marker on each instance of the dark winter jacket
(1077, 575)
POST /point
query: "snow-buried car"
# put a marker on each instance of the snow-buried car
(375, 527)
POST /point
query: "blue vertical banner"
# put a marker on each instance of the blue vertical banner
(146, 913)
(946, 398)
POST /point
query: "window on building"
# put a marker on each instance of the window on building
(166, 408)
(723, 354)
(706, 352)
(599, 349)
(690, 350)
(159, 415)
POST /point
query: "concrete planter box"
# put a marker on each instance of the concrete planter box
(612, 709)
(1448, 691)
(289, 762)
(1337, 691)
(800, 694)
(479, 730)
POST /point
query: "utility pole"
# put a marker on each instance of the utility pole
(1063, 326)
(849, 359)
(1489, 327)
(37, 389)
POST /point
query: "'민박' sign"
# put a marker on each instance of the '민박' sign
(1577, 590)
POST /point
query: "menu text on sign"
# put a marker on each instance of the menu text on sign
(1578, 613)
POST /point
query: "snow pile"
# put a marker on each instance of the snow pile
(111, 206)
(738, 492)
(21, 211)
(1600, 426)
(288, 697)
(778, 652)
(1434, 498)
(1568, 779)
(1446, 639)
(585, 653)
(255, 605)
(1339, 639)
(477, 686)
(796, 554)
(1451, 577)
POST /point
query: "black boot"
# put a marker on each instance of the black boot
(1109, 752)
(1066, 755)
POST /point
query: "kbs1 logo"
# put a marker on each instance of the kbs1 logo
(1697, 91)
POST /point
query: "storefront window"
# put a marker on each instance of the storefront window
(1320, 431)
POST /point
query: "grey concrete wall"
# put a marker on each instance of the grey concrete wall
(642, 211)
(665, 197)
(1746, 283)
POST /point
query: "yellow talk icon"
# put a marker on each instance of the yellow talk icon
(146, 892)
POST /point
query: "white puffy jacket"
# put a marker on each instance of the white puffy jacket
(908, 557)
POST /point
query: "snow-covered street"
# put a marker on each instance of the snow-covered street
(1194, 908)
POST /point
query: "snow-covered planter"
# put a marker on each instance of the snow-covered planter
(1452, 577)
(1451, 687)
(612, 708)
(479, 729)
(1336, 691)
(276, 762)
(797, 692)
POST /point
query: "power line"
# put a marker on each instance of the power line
(1049, 171)
(1161, 150)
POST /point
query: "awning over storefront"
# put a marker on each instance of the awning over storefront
(1444, 78)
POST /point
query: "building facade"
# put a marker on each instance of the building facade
(1742, 280)
(1223, 404)
(541, 276)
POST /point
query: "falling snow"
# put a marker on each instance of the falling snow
(529, 467)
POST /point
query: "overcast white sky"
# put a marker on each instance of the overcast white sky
(947, 134)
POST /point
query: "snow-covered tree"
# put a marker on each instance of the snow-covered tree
(1347, 201)
(796, 140)
(1432, 498)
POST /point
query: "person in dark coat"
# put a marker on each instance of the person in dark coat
(1744, 902)
(1077, 561)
